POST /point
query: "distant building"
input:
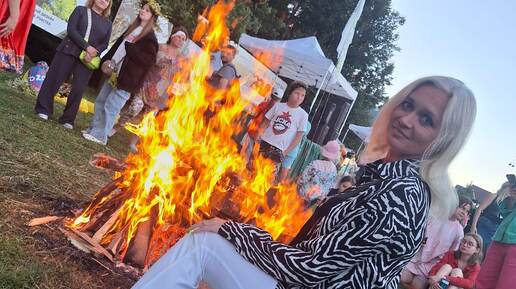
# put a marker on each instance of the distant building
(476, 193)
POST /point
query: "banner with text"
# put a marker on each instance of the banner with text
(52, 15)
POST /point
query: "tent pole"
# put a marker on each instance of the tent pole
(345, 135)
(347, 115)
(319, 90)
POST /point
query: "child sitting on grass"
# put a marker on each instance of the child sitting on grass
(460, 268)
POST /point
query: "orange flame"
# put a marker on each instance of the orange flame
(188, 166)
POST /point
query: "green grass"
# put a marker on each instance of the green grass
(44, 170)
(19, 274)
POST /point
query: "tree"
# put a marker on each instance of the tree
(368, 65)
(254, 17)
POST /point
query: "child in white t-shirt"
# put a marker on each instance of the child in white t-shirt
(284, 125)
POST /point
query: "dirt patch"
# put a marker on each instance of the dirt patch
(55, 263)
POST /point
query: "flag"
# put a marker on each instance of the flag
(347, 35)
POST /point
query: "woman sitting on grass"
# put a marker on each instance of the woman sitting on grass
(459, 267)
(441, 236)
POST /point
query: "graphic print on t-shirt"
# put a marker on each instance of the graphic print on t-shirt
(282, 123)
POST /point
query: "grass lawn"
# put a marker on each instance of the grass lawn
(44, 170)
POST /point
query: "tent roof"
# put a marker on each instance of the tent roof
(299, 59)
(363, 132)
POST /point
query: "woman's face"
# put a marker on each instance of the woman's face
(344, 186)
(297, 96)
(145, 13)
(177, 40)
(102, 4)
(469, 246)
(415, 123)
(462, 211)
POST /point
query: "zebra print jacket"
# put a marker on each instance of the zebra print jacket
(359, 239)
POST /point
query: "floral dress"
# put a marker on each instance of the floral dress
(153, 95)
(317, 180)
(12, 46)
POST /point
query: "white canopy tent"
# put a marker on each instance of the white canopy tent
(300, 59)
(363, 132)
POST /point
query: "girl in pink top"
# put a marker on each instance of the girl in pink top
(441, 236)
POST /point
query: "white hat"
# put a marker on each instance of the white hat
(277, 93)
(331, 150)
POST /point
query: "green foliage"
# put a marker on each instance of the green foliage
(60, 8)
(368, 67)
(255, 17)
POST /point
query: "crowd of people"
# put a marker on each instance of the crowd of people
(372, 227)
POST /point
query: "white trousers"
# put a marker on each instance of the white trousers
(204, 257)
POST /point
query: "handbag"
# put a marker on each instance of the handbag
(94, 64)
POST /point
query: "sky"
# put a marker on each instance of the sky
(474, 41)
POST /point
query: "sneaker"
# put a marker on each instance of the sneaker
(43, 116)
(68, 126)
(93, 139)
(85, 131)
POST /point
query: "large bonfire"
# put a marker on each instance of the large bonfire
(188, 168)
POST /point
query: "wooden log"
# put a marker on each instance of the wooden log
(105, 211)
(105, 228)
(138, 247)
(77, 241)
(103, 192)
(96, 246)
(43, 220)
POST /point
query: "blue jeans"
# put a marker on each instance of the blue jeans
(108, 104)
(486, 228)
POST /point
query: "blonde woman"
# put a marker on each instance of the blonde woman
(360, 239)
(67, 63)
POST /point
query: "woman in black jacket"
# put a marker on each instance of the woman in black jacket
(130, 58)
(359, 239)
(66, 61)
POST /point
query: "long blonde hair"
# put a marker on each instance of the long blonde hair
(148, 27)
(106, 11)
(457, 123)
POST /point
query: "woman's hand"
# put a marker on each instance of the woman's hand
(88, 58)
(473, 230)
(512, 193)
(211, 225)
(8, 26)
(433, 282)
(92, 51)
